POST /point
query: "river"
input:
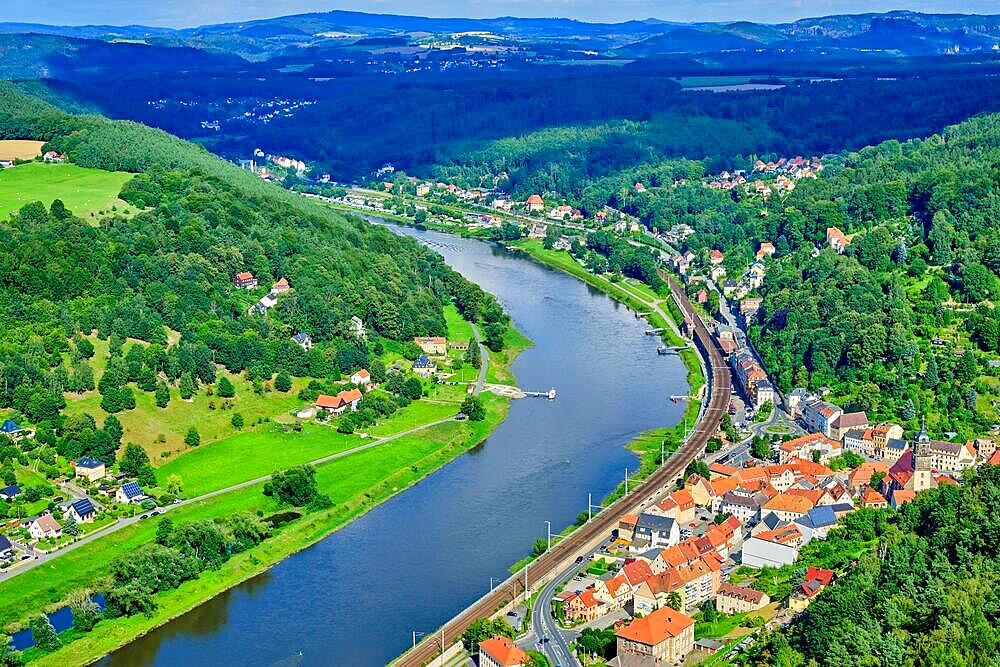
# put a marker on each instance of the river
(410, 564)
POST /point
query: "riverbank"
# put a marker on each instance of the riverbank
(354, 493)
(654, 446)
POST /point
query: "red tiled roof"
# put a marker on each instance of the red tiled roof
(661, 625)
(328, 402)
(503, 651)
(636, 572)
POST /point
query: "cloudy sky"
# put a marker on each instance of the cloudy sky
(180, 13)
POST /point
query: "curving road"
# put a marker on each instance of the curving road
(592, 533)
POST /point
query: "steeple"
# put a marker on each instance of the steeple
(922, 436)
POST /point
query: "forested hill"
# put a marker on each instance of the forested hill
(170, 267)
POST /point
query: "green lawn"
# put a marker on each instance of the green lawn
(459, 328)
(82, 190)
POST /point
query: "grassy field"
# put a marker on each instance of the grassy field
(82, 190)
(161, 431)
(20, 149)
(458, 328)
(356, 484)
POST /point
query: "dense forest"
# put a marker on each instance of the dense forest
(925, 595)
(170, 267)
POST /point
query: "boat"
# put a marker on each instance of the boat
(663, 350)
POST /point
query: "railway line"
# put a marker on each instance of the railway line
(541, 569)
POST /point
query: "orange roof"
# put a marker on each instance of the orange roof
(900, 496)
(629, 519)
(535, 199)
(683, 498)
(945, 479)
(872, 497)
(433, 340)
(995, 458)
(665, 582)
(636, 572)
(661, 625)
(812, 495)
(863, 473)
(724, 485)
(282, 282)
(503, 651)
(244, 275)
(363, 373)
(810, 439)
(615, 583)
(787, 502)
(722, 469)
(789, 533)
(350, 395)
(328, 402)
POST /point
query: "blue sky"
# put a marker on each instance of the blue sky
(180, 13)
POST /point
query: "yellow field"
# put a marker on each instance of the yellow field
(18, 149)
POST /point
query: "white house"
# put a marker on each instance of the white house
(45, 526)
(130, 494)
(361, 378)
(81, 511)
(773, 548)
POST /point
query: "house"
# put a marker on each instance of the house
(861, 442)
(303, 340)
(738, 599)
(11, 429)
(862, 475)
(663, 637)
(871, 498)
(423, 190)
(679, 505)
(787, 506)
(614, 593)
(90, 469)
(501, 652)
(749, 307)
(636, 571)
(654, 531)
(45, 526)
(900, 496)
(701, 580)
(458, 345)
(654, 592)
(264, 304)
(815, 580)
(882, 434)
(773, 548)
(765, 250)
(535, 203)
(847, 421)
(700, 490)
(245, 280)
(836, 239)
(639, 188)
(583, 606)
(81, 511)
(281, 286)
(6, 548)
(432, 346)
(424, 367)
(718, 273)
(816, 523)
(362, 378)
(809, 447)
(716, 256)
(52, 156)
(8, 493)
(818, 416)
(339, 403)
(129, 493)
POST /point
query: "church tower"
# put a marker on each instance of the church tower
(922, 478)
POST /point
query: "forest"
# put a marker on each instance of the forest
(925, 595)
(164, 276)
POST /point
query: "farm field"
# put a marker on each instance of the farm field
(20, 149)
(81, 190)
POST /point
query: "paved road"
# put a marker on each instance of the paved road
(45, 558)
(544, 625)
(590, 534)
(484, 361)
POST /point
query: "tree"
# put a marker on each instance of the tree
(147, 476)
(187, 387)
(70, 527)
(283, 382)
(44, 634)
(294, 486)
(133, 460)
(224, 388)
(931, 378)
(193, 438)
(472, 406)
(413, 389)
(482, 629)
(493, 334)
(760, 448)
(698, 467)
(8, 656)
(162, 394)
(674, 600)
(174, 485)
(595, 642)
(237, 421)
(472, 356)
(86, 612)
(539, 547)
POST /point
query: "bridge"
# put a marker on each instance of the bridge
(592, 533)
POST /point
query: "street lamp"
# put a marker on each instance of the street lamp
(415, 635)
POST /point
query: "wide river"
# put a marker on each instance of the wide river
(413, 562)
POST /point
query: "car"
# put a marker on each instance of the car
(144, 516)
(693, 524)
(579, 559)
(545, 640)
(155, 513)
(461, 416)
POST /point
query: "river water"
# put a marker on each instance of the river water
(410, 564)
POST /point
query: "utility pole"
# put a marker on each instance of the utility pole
(626, 481)
(548, 530)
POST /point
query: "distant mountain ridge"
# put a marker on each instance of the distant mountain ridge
(905, 32)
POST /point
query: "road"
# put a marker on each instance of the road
(484, 361)
(544, 625)
(45, 558)
(591, 533)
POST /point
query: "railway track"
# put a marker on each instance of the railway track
(719, 387)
